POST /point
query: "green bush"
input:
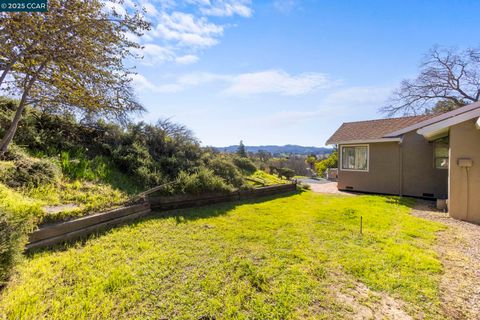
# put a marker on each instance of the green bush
(13, 237)
(203, 181)
(330, 162)
(245, 165)
(18, 215)
(287, 173)
(226, 170)
(30, 173)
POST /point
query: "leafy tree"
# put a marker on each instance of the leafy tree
(241, 151)
(330, 162)
(443, 106)
(69, 59)
(446, 75)
(245, 165)
(226, 170)
(263, 155)
(311, 160)
(286, 173)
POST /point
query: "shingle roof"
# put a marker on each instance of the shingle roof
(372, 129)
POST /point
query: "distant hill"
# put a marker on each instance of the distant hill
(287, 149)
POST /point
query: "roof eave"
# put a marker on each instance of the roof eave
(440, 118)
(435, 130)
(380, 140)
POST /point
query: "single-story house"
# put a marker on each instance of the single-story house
(425, 156)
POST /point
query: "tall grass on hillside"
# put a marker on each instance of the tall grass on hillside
(18, 216)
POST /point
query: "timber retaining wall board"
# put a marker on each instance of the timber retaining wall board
(75, 229)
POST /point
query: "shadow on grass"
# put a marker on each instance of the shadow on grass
(214, 210)
(181, 216)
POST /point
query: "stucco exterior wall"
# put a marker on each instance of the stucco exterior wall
(419, 176)
(383, 174)
(464, 194)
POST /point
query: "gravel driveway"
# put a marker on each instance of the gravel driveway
(459, 249)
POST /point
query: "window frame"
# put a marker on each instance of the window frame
(354, 145)
(439, 142)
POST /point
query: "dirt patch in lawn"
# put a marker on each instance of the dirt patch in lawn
(60, 208)
(359, 302)
(459, 250)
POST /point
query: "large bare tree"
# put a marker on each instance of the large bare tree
(448, 79)
(69, 59)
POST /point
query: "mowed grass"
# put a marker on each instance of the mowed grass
(274, 259)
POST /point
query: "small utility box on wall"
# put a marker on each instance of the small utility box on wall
(464, 162)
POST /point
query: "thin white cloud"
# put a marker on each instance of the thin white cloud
(224, 8)
(186, 30)
(113, 7)
(142, 84)
(154, 54)
(276, 82)
(358, 95)
(347, 104)
(285, 6)
(186, 59)
(185, 27)
(229, 8)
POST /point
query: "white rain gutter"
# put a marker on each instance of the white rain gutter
(439, 129)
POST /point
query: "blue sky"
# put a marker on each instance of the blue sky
(286, 72)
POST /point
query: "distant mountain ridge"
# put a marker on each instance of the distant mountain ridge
(274, 149)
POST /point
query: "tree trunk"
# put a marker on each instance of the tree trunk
(5, 71)
(8, 137)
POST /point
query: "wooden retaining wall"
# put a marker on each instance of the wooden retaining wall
(189, 201)
(75, 229)
(79, 228)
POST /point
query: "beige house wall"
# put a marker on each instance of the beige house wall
(383, 174)
(464, 193)
(419, 176)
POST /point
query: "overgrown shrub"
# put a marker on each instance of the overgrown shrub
(29, 172)
(13, 237)
(203, 181)
(286, 173)
(18, 216)
(245, 165)
(225, 169)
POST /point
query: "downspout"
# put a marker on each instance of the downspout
(400, 169)
(467, 193)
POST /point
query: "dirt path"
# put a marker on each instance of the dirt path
(459, 250)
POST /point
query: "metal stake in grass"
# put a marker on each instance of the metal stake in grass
(361, 225)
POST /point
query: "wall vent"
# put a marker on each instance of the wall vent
(349, 187)
(429, 195)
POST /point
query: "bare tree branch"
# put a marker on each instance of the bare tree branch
(446, 75)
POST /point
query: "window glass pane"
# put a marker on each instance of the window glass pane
(355, 158)
(441, 153)
(441, 163)
(361, 158)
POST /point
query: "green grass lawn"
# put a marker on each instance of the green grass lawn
(275, 259)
